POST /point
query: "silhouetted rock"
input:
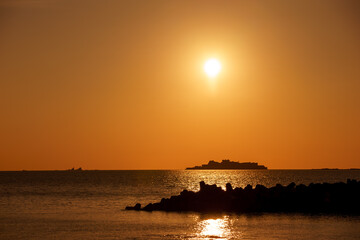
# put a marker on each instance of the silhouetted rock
(315, 198)
(136, 207)
(228, 188)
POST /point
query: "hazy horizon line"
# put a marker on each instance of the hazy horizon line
(76, 170)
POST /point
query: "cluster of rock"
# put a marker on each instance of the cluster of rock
(314, 198)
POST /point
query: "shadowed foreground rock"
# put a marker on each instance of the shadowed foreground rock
(314, 198)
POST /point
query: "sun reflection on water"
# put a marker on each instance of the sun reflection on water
(214, 228)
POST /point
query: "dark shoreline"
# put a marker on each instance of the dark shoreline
(318, 198)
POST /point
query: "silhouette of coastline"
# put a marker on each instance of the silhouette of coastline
(73, 169)
(325, 169)
(342, 198)
(227, 164)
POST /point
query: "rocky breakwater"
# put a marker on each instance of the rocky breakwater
(315, 198)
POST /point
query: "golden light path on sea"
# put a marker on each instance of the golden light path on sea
(218, 228)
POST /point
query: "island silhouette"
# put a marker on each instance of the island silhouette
(227, 164)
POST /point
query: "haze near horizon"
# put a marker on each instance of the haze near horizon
(121, 84)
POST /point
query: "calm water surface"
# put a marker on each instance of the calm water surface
(89, 205)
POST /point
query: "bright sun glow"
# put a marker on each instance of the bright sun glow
(214, 228)
(212, 67)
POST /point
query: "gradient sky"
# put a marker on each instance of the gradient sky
(120, 84)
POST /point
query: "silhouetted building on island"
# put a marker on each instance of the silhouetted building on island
(227, 164)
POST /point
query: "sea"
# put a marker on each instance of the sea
(90, 205)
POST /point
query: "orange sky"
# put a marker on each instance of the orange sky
(120, 84)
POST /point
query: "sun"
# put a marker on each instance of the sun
(212, 67)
